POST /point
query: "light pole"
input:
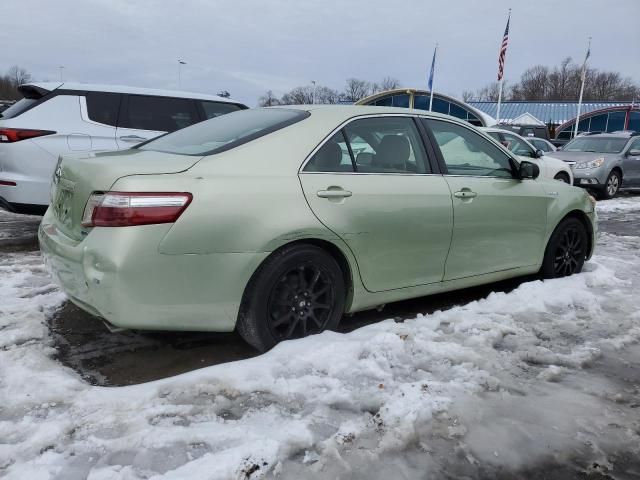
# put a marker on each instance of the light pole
(313, 97)
(61, 67)
(180, 63)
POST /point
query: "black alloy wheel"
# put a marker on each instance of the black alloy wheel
(299, 290)
(567, 249)
(569, 253)
(301, 302)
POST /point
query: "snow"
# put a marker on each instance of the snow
(506, 381)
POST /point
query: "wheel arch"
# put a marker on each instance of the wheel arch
(347, 266)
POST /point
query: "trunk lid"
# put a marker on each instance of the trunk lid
(77, 177)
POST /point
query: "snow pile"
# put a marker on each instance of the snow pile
(620, 204)
(503, 381)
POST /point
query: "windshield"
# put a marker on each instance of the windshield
(225, 132)
(596, 145)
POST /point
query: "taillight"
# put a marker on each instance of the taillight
(10, 135)
(126, 209)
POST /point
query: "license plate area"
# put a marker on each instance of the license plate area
(62, 204)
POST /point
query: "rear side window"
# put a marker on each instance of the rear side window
(225, 132)
(103, 107)
(159, 113)
(333, 156)
(215, 109)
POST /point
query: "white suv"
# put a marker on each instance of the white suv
(59, 118)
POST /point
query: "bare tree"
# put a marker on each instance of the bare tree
(268, 99)
(18, 75)
(355, 89)
(9, 83)
(298, 96)
(468, 96)
(541, 83)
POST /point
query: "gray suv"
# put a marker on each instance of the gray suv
(604, 162)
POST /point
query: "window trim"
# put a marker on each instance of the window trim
(514, 162)
(346, 122)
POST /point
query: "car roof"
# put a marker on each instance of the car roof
(91, 87)
(623, 134)
(347, 111)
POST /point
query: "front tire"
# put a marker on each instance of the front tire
(566, 251)
(562, 177)
(297, 291)
(611, 186)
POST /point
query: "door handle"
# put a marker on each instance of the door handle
(465, 194)
(334, 193)
(132, 138)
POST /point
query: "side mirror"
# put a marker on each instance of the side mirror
(539, 153)
(528, 170)
(633, 153)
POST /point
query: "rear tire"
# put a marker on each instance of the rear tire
(611, 186)
(297, 291)
(562, 177)
(566, 251)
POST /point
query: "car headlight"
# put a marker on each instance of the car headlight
(598, 162)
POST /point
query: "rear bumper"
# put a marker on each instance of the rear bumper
(119, 275)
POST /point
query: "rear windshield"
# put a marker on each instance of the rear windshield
(18, 107)
(596, 145)
(225, 132)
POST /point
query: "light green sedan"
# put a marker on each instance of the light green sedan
(278, 221)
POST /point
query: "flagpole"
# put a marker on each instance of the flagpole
(584, 76)
(499, 100)
(502, 61)
(435, 52)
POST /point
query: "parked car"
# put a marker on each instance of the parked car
(59, 118)
(265, 220)
(550, 167)
(525, 130)
(604, 163)
(541, 144)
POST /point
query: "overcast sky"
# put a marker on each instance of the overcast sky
(250, 46)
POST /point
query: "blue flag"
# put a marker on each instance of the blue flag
(433, 67)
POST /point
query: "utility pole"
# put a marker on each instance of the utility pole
(583, 75)
(313, 97)
(61, 67)
(180, 63)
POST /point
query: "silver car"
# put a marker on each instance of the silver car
(604, 162)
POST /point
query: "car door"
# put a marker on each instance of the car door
(386, 202)
(500, 221)
(144, 117)
(631, 165)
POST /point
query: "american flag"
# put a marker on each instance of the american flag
(503, 49)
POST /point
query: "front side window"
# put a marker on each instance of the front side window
(162, 114)
(467, 153)
(103, 107)
(387, 145)
(225, 132)
(517, 145)
(215, 109)
(540, 145)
